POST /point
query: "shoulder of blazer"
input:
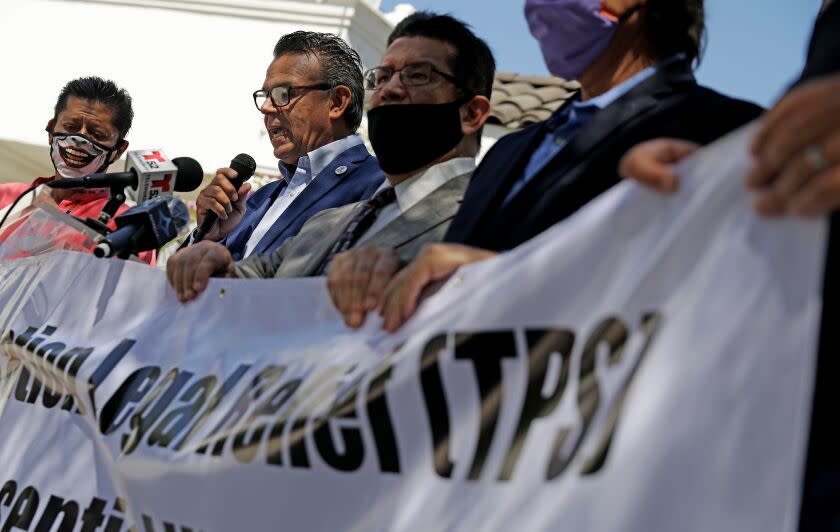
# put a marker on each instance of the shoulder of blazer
(722, 101)
(369, 177)
(356, 154)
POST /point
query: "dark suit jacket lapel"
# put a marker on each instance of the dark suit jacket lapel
(489, 183)
(489, 186)
(323, 183)
(640, 100)
(436, 208)
(318, 251)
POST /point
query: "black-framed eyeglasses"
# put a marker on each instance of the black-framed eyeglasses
(410, 75)
(281, 95)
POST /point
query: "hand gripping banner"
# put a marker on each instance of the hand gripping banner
(646, 365)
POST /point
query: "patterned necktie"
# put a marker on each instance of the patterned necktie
(360, 223)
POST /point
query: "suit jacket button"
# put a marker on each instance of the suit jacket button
(340, 170)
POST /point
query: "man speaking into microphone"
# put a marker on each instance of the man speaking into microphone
(312, 103)
(86, 135)
(430, 98)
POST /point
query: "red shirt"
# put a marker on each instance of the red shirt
(82, 204)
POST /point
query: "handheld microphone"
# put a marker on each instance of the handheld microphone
(244, 166)
(145, 227)
(148, 174)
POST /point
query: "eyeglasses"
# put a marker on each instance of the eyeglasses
(282, 94)
(410, 75)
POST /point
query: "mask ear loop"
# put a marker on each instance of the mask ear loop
(111, 151)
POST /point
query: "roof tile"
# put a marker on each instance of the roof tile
(521, 100)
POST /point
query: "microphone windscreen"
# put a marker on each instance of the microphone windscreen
(244, 165)
(190, 174)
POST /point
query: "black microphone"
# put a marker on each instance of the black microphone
(145, 227)
(244, 166)
(188, 171)
(102, 180)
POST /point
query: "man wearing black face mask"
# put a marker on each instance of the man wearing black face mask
(430, 99)
(86, 134)
(633, 59)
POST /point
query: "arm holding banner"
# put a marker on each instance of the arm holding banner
(651, 163)
(796, 150)
(189, 270)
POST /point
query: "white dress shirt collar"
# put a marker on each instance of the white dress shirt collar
(313, 162)
(417, 187)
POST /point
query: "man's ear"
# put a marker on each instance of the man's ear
(50, 127)
(120, 151)
(474, 114)
(339, 101)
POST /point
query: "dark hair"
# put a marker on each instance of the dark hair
(340, 65)
(473, 64)
(675, 26)
(105, 91)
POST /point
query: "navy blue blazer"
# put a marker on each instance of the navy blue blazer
(668, 103)
(358, 181)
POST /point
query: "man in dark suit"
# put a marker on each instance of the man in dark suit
(430, 98)
(633, 61)
(311, 101)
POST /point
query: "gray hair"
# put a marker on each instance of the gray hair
(340, 65)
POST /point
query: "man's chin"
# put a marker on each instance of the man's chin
(286, 153)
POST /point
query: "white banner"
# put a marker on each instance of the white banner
(645, 366)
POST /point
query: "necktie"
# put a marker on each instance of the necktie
(360, 223)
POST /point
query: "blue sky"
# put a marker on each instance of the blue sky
(754, 47)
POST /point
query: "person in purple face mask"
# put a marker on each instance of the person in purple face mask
(634, 60)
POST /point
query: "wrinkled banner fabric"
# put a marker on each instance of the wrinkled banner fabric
(645, 366)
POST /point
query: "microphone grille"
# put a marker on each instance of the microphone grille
(244, 165)
(190, 174)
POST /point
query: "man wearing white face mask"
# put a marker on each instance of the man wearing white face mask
(86, 134)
